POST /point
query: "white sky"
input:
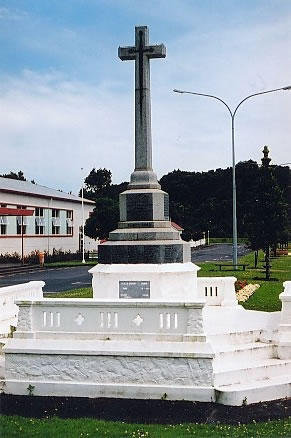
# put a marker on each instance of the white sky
(66, 100)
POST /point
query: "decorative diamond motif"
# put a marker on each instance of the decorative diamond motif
(79, 320)
(138, 320)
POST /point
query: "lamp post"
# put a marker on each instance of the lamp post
(83, 220)
(233, 114)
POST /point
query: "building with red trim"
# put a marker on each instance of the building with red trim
(55, 223)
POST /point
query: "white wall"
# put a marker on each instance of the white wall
(11, 243)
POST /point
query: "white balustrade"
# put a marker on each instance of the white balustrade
(217, 291)
(9, 295)
(95, 318)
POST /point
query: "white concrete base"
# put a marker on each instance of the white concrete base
(168, 282)
(171, 349)
(96, 390)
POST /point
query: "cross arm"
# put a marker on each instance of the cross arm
(126, 53)
(156, 51)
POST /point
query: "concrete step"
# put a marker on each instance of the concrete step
(262, 370)
(235, 338)
(244, 394)
(245, 355)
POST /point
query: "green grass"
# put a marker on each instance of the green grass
(266, 298)
(13, 426)
(70, 264)
(83, 292)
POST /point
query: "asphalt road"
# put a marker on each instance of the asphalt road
(62, 279)
(219, 252)
(56, 280)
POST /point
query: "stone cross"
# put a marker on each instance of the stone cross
(141, 53)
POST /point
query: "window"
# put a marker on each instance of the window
(3, 225)
(21, 221)
(69, 221)
(55, 212)
(55, 221)
(39, 220)
(3, 229)
(19, 228)
(39, 212)
(4, 220)
(39, 225)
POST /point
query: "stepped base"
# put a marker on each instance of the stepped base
(96, 390)
(260, 391)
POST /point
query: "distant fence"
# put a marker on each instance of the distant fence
(197, 243)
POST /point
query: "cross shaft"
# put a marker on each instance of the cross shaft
(141, 53)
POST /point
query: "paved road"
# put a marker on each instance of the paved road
(57, 280)
(217, 252)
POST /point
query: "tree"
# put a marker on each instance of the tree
(12, 175)
(266, 219)
(103, 219)
(105, 215)
(96, 181)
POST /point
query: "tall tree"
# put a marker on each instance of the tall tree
(266, 219)
(105, 216)
(96, 181)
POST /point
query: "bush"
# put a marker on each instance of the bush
(10, 258)
(58, 255)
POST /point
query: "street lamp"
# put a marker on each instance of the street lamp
(232, 114)
(83, 220)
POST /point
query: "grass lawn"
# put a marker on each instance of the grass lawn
(70, 264)
(83, 292)
(13, 426)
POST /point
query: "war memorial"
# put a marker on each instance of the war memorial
(153, 330)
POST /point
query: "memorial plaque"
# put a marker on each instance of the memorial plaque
(134, 289)
(166, 206)
(139, 207)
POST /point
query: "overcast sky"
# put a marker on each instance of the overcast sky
(67, 101)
